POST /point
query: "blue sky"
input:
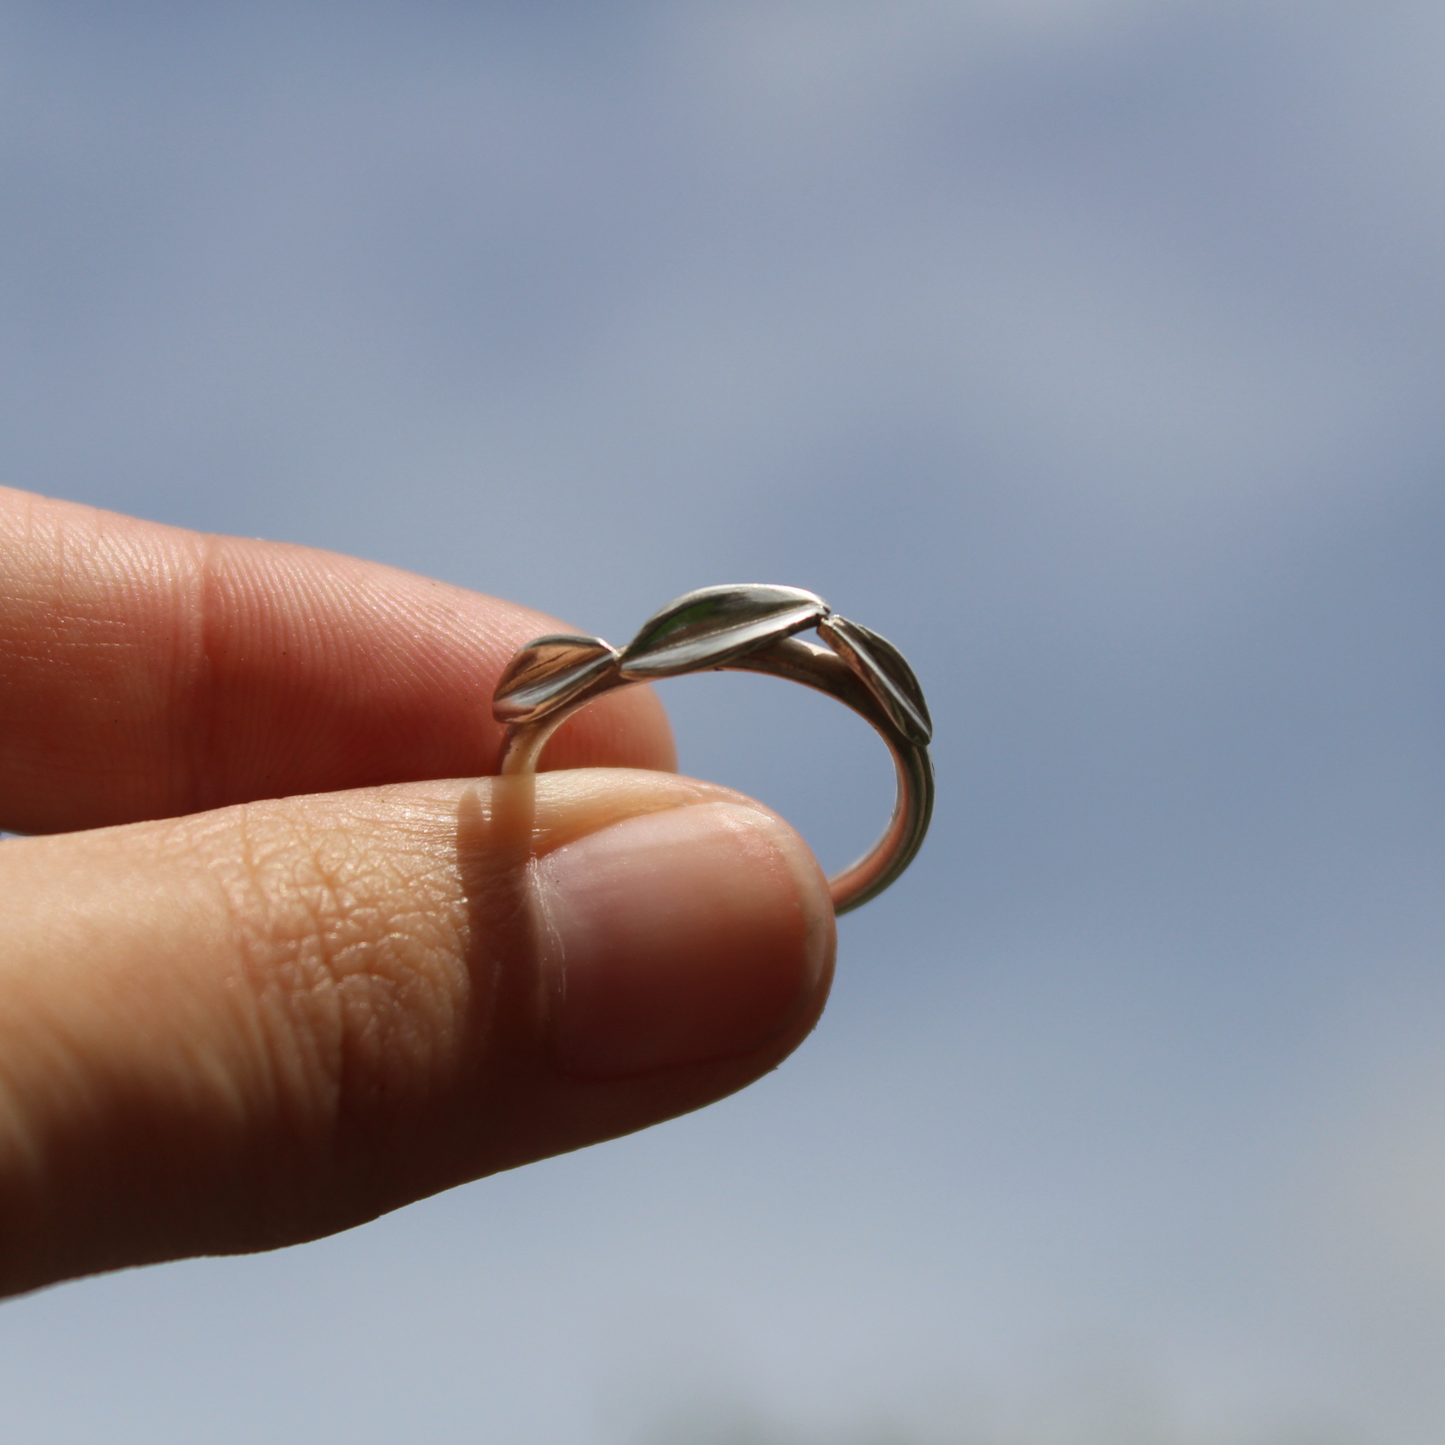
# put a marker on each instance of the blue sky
(1093, 351)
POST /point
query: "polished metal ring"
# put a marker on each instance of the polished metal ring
(749, 627)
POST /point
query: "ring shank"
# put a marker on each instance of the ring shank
(824, 671)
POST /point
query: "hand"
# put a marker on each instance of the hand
(285, 980)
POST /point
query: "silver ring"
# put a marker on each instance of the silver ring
(749, 627)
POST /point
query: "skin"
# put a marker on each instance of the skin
(281, 954)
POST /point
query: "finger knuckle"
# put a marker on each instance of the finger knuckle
(352, 953)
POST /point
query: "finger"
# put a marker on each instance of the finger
(259, 1025)
(149, 672)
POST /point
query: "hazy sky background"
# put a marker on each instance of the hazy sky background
(1093, 351)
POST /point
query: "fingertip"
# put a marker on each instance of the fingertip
(628, 728)
(678, 938)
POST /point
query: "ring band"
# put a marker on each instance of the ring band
(749, 627)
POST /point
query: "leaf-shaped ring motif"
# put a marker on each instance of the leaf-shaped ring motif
(749, 627)
(548, 673)
(885, 672)
(710, 627)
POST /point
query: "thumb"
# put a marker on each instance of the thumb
(251, 1027)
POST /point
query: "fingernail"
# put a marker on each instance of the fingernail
(679, 936)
